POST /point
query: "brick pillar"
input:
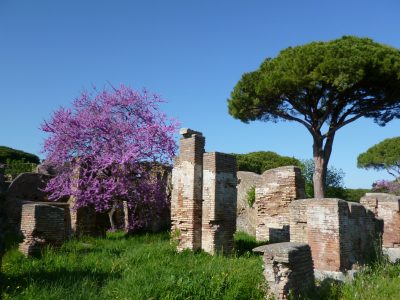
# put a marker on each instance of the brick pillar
(186, 199)
(288, 268)
(41, 225)
(275, 190)
(219, 205)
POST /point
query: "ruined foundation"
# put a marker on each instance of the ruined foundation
(342, 235)
(41, 225)
(275, 190)
(219, 204)
(186, 199)
(288, 268)
(386, 207)
(246, 215)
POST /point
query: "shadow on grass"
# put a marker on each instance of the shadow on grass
(61, 278)
(245, 243)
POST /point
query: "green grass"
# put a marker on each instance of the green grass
(139, 267)
(147, 266)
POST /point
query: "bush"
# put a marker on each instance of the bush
(261, 161)
(251, 196)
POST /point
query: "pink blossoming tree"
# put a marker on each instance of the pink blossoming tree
(104, 149)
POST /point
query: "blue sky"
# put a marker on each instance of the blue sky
(190, 52)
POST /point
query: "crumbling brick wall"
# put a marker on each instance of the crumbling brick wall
(288, 268)
(386, 207)
(275, 190)
(246, 216)
(41, 225)
(187, 182)
(85, 221)
(341, 234)
(219, 202)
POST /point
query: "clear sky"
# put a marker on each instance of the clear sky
(190, 52)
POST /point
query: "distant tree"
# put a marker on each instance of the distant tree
(104, 149)
(386, 186)
(383, 156)
(324, 86)
(259, 162)
(7, 153)
(334, 180)
(16, 167)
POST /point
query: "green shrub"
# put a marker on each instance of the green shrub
(251, 196)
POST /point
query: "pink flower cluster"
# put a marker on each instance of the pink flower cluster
(103, 149)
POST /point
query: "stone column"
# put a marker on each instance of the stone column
(219, 205)
(186, 199)
(288, 268)
(275, 190)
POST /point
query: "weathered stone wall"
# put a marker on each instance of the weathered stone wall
(275, 190)
(41, 225)
(387, 207)
(219, 202)
(187, 182)
(85, 221)
(246, 216)
(25, 187)
(341, 234)
(288, 268)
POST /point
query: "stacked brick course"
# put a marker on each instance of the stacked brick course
(41, 225)
(246, 216)
(288, 268)
(186, 200)
(275, 190)
(341, 234)
(219, 205)
(386, 207)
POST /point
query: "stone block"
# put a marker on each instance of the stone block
(42, 225)
(288, 268)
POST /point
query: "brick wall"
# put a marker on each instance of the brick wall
(86, 221)
(275, 190)
(41, 225)
(219, 202)
(386, 207)
(246, 216)
(288, 268)
(187, 182)
(341, 234)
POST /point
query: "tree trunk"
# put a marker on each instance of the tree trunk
(321, 154)
(111, 216)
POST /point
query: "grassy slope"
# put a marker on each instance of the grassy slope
(141, 267)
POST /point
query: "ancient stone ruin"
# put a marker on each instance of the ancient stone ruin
(386, 207)
(288, 268)
(342, 235)
(219, 202)
(275, 190)
(42, 225)
(246, 215)
(187, 182)
(199, 176)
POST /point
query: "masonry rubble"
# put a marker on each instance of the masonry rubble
(288, 269)
(41, 225)
(342, 235)
(386, 207)
(275, 190)
(203, 203)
